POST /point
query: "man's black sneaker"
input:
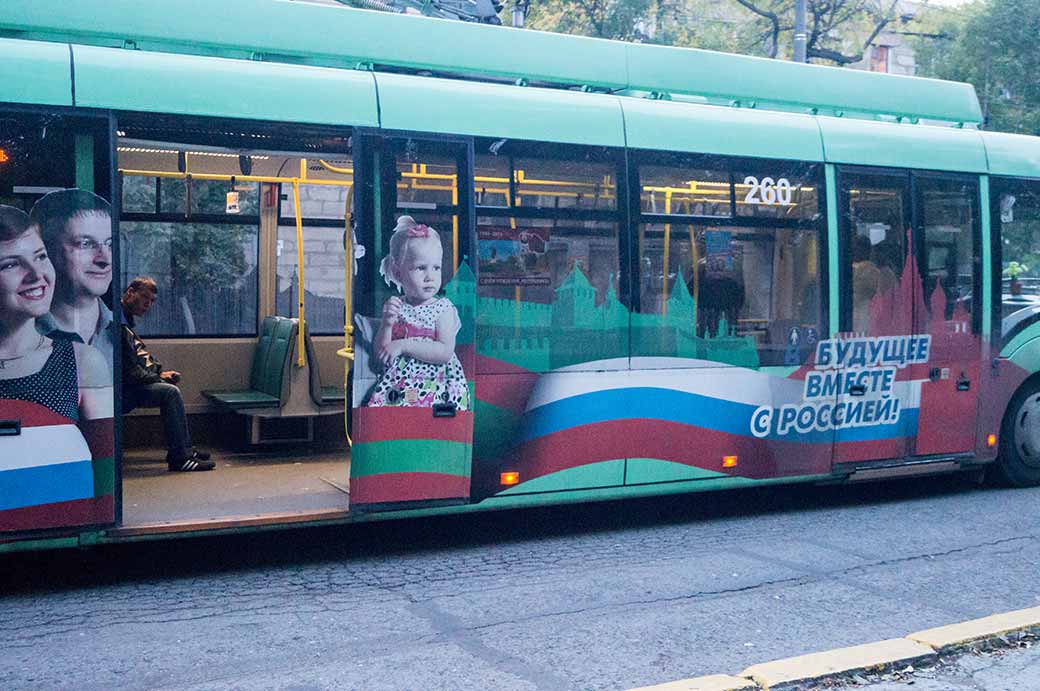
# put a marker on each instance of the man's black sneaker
(191, 463)
(202, 455)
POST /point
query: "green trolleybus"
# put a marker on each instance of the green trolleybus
(408, 266)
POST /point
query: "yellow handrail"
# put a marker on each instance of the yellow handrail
(301, 358)
(347, 351)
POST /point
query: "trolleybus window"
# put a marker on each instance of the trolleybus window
(565, 184)
(685, 190)
(323, 209)
(949, 219)
(1016, 221)
(876, 215)
(322, 280)
(548, 263)
(201, 250)
(745, 293)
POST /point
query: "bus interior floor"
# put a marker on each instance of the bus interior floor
(245, 486)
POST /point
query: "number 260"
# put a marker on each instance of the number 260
(767, 191)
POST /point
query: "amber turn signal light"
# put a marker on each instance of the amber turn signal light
(991, 440)
(510, 478)
(729, 461)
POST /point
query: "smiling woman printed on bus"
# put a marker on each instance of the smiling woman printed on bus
(70, 379)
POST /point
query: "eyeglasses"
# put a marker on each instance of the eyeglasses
(88, 244)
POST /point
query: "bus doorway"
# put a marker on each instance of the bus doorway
(241, 228)
(414, 302)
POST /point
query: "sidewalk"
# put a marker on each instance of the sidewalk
(996, 653)
(1006, 669)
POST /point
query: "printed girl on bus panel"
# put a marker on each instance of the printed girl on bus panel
(76, 226)
(70, 379)
(416, 338)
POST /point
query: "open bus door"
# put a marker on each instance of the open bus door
(910, 353)
(57, 400)
(414, 303)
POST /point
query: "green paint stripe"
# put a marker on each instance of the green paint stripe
(410, 456)
(599, 474)
(646, 470)
(987, 259)
(104, 476)
(833, 273)
(493, 431)
(500, 502)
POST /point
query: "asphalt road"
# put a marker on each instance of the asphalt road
(607, 596)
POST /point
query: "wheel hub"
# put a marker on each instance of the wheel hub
(1027, 431)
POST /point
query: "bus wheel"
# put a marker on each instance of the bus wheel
(1019, 461)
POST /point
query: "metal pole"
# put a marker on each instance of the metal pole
(519, 13)
(800, 36)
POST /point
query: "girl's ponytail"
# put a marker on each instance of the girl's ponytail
(386, 272)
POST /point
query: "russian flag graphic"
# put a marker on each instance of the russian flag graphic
(48, 462)
(690, 412)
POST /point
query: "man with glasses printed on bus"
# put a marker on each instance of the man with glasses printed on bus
(76, 227)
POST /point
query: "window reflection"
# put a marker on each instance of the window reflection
(756, 285)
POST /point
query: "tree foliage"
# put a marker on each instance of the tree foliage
(994, 45)
(625, 20)
(839, 31)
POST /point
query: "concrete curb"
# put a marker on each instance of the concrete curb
(807, 670)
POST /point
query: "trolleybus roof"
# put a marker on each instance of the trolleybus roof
(331, 36)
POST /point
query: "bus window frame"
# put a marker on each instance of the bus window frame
(620, 215)
(843, 172)
(730, 164)
(186, 129)
(533, 149)
(999, 185)
(976, 234)
(367, 141)
(912, 213)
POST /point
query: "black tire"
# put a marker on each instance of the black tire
(1018, 464)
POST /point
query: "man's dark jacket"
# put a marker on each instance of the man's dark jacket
(139, 367)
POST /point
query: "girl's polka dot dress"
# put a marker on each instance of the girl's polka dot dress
(413, 383)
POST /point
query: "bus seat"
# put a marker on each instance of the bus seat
(365, 329)
(321, 395)
(267, 377)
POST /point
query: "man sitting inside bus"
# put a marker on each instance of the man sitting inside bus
(146, 383)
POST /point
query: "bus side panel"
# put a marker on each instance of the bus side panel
(570, 430)
(57, 442)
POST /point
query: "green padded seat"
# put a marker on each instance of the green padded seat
(243, 399)
(321, 395)
(273, 348)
